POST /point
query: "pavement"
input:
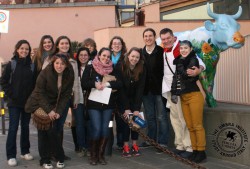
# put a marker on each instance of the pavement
(149, 159)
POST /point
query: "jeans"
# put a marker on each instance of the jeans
(80, 125)
(62, 119)
(46, 138)
(16, 114)
(99, 121)
(156, 113)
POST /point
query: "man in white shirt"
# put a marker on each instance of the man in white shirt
(171, 46)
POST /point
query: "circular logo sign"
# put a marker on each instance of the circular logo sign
(3, 17)
(229, 139)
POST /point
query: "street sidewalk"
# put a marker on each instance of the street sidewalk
(149, 159)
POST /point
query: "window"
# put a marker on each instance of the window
(199, 11)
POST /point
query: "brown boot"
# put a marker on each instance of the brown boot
(102, 146)
(93, 152)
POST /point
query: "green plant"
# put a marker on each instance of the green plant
(75, 45)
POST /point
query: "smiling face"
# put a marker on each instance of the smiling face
(167, 40)
(83, 57)
(149, 38)
(185, 50)
(23, 50)
(59, 65)
(47, 44)
(90, 47)
(133, 58)
(105, 57)
(116, 45)
(63, 46)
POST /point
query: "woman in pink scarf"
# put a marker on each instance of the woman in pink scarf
(100, 75)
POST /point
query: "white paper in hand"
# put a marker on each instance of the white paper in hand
(101, 96)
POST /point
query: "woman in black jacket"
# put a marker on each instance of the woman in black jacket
(99, 113)
(133, 76)
(192, 100)
(18, 81)
(52, 92)
(118, 48)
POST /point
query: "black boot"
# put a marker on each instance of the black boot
(200, 156)
(73, 131)
(93, 152)
(102, 146)
(192, 157)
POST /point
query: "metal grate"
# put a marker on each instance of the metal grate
(232, 81)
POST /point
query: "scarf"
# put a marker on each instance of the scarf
(101, 68)
(176, 50)
(45, 54)
(115, 58)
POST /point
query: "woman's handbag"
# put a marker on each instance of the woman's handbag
(41, 119)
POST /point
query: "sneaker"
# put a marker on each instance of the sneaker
(81, 152)
(88, 153)
(27, 157)
(126, 151)
(119, 148)
(135, 150)
(48, 166)
(178, 152)
(186, 154)
(159, 151)
(77, 149)
(12, 162)
(60, 165)
(144, 145)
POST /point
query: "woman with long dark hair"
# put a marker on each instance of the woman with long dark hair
(133, 78)
(18, 81)
(99, 113)
(52, 92)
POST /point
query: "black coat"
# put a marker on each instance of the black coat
(155, 70)
(88, 81)
(19, 84)
(182, 83)
(131, 92)
(46, 91)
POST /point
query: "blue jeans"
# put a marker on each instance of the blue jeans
(99, 121)
(156, 113)
(80, 125)
(62, 119)
(16, 114)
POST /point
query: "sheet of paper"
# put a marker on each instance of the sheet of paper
(101, 96)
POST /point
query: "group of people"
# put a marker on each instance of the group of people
(155, 76)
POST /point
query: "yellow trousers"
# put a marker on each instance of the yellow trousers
(192, 107)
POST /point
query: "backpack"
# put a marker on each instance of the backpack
(13, 67)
